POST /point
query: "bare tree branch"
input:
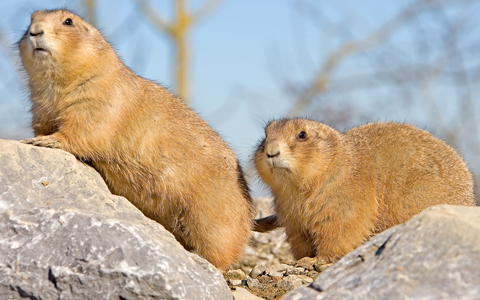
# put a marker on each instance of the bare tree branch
(322, 80)
(155, 17)
(206, 9)
(178, 31)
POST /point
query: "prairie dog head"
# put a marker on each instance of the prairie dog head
(61, 42)
(295, 152)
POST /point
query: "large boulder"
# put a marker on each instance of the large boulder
(435, 255)
(63, 235)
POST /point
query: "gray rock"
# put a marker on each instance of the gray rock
(435, 255)
(63, 235)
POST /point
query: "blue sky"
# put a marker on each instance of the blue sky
(236, 53)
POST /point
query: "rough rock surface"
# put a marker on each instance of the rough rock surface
(435, 255)
(63, 235)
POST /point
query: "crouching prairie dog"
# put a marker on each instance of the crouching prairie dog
(332, 190)
(147, 145)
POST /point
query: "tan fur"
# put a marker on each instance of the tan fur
(148, 146)
(333, 191)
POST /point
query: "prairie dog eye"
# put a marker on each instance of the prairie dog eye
(302, 135)
(68, 22)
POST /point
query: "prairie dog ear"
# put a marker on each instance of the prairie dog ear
(321, 134)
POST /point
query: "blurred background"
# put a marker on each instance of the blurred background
(239, 64)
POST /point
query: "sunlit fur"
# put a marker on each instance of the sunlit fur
(340, 189)
(148, 146)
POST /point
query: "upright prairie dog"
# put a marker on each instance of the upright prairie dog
(147, 145)
(332, 191)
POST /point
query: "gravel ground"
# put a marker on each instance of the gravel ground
(267, 268)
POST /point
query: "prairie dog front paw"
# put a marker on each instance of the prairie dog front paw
(47, 141)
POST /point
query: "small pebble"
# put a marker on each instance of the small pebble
(234, 282)
(306, 263)
(312, 274)
(275, 274)
(295, 271)
(241, 293)
(253, 283)
(321, 267)
(257, 271)
(289, 284)
(236, 274)
(280, 268)
(305, 279)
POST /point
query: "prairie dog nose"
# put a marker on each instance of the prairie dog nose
(36, 29)
(273, 150)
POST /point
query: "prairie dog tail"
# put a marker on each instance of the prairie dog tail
(266, 224)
